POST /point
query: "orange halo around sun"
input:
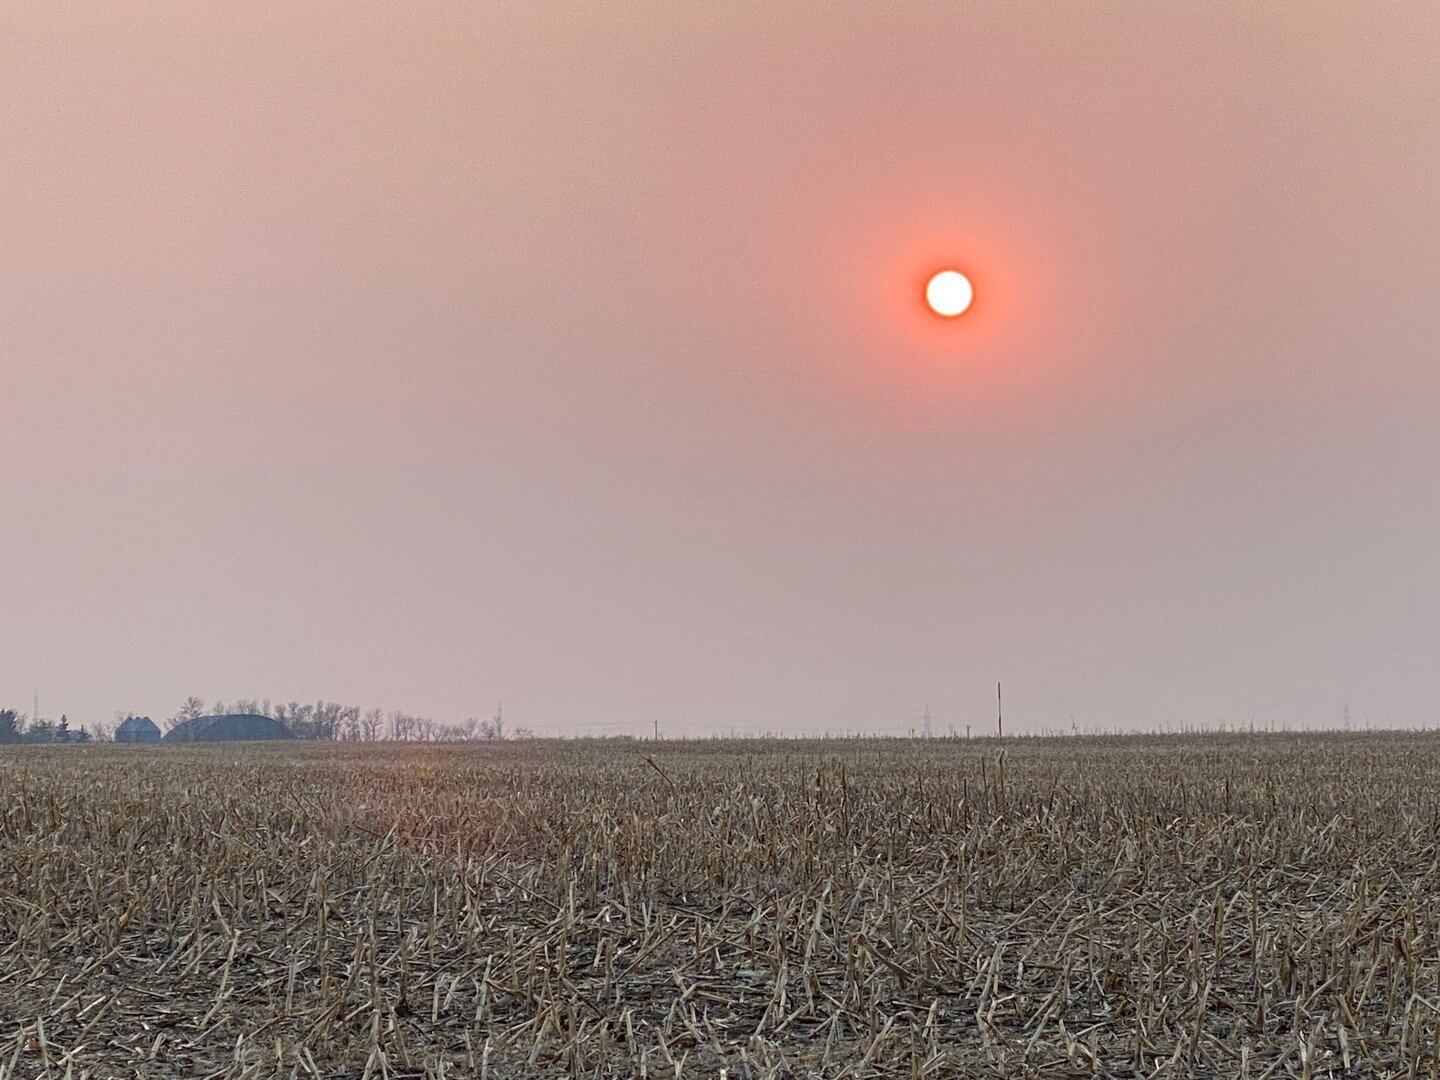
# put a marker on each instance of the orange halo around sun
(949, 293)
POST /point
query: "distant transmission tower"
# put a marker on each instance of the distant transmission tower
(927, 720)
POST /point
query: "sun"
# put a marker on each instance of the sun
(949, 293)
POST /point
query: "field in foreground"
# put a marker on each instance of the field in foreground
(1224, 906)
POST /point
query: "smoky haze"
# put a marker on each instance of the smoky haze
(427, 355)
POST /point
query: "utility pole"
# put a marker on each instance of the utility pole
(999, 714)
(35, 709)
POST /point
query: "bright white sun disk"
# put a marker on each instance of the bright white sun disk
(949, 293)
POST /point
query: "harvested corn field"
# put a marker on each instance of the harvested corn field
(1217, 906)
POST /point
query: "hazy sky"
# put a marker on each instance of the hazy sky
(426, 355)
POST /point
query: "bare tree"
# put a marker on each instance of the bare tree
(371, 721)
(325, 719)
(303, 721)
(493, 730)
(402, 726)
(193, 707)
(290, 712)
(348, 724)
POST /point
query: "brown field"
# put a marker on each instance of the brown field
(1228, 906)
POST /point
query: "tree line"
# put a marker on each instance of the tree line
(324, 721)
(16, 727)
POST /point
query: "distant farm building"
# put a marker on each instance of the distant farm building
(139, 729)
(235, 727)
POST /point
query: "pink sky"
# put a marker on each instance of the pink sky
(427, 355)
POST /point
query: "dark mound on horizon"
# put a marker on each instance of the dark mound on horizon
(234, 727)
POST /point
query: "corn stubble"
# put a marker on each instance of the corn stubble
(1225, 906)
